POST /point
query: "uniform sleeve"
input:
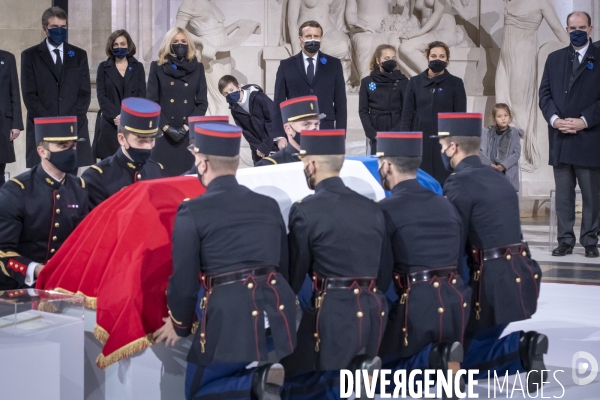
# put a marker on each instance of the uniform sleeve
(279, 97)
(182, 292)
(463, 204)
(300, 249)
(153, 92)
(15, 97)
(84, 97)
(95, 188)
(386, 268)
(284, 256)
(408, 109)
(340, 102)
(13, 266)
(363, 111)
(201, 94)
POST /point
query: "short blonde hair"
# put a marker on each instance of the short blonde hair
(165, 47)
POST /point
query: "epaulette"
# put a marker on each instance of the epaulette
(270, 159)
(97, 168)
(160, 165)
(18, 182)
(299, 201)
(82, 183)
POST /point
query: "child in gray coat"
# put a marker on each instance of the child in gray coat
(501, 144)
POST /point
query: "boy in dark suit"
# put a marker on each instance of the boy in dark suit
(312, 73)
(55, 79)
(252, 110)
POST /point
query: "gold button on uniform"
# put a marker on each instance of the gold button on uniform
(518, 280)
(524, 254)
(172, 83)
(172, 101)
(508, 257)
(185, 101)
(440, 310)
(383, 313)
(58, 197)
(250, 285)
(139, 176)
(374, 290)
(273, 282)
(464, 305)
(359, 314)
(254, 313)
(536, 276)
(56, 225)
(58, 210)
(52, 251)
(281, 307)
(454, 281)
(54, 238)
(186, 84)
(436, 285)
(356, 291)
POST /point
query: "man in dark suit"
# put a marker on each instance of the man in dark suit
(55, 79)
(41, 207)
(11, 122)
(138, 128)
(312, 72)
(570, 101)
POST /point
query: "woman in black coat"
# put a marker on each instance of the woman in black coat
(427, 94)
(119, 77)
(381, 95)
(178, 84)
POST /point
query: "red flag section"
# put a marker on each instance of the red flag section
(119, 258)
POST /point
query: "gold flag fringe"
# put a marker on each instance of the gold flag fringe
(101, 334)
(126, 351)
(89, 302)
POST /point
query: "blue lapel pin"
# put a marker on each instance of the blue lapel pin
(590, 65)
(323, 60)
(130, 68)
(71, 53)
(174, 66)
(372, 86)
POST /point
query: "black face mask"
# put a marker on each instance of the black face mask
(312, 46)
(200, 175)
(65, 161)
(139, 156)
(437, 66)
(446, 161)
(389, 65)
(383, 178)
(310, 181)
(297, 136)
(180, 50)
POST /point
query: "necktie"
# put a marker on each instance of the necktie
(310, 71)
(576, 62)
(58, 62)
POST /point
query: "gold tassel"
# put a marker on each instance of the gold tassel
(101, 334)
(88, 301)
(126, 351)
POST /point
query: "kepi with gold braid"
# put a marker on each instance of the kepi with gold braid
(55, 129)
(459, 124)
(399, 144)
(140, 117)
(299, 108)
(217, 139)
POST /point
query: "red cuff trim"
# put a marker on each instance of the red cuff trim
(16, 266)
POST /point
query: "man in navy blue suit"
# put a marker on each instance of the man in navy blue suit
(312, 73)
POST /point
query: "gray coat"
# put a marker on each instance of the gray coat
(507, 154)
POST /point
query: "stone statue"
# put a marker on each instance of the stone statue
(205, 21)
(375, 22)
(436, 23)
(330, 14)
(516, 76)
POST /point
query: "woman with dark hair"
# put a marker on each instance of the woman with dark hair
(433, 91)
(178, 84)
(381, 95)
(119, 77)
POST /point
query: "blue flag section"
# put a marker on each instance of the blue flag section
(426, 180)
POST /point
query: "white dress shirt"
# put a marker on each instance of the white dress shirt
(53, 54)
(582, 53)
(315, 59)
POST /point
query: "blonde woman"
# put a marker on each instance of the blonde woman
(176, 82)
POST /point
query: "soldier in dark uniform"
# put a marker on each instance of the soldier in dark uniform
(220, 119)
(131, 163)
(299, 114)
(340, 239)
(426, 324)
(243, 274)
(504, 278)
(41, 207)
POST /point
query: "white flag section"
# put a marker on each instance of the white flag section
(286, 182)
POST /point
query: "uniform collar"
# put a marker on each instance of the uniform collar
(407, 185)
(291, 150)
(222, 182)
(48, 180)
(331, 184)
(126, 162)
(470, 161)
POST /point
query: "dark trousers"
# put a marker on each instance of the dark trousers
(318, 385)
(566, 177)
(2, 169)
(486, 351)
(218, 381)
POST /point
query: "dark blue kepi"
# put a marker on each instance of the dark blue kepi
(399, 144)
(459, 124)
(217, 139)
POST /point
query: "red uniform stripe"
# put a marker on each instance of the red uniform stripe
(208, 119)
(232, 135)
(336, 132)
(60, 120)
(387, 135)
(298, 100)
(140, 114)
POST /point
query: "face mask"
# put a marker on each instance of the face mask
(57, 36)
(309, 179)
(297, 136)
(200, 175)
(233, 97)
(446, 160)
(437, 66)
(579, 38)
(180, 50)
(139, 156)
(120, 52)
(312, 46)
(389, 65)
(65, 160)
(383, 179)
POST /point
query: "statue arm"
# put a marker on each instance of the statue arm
(552, 19)
(438, 11)
(292, 20)
(351, 15)
(182, 19)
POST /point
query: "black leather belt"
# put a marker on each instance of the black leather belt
(240, 275)
(501, 252)
(423, 276)
(343, 283)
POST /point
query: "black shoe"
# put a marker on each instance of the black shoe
(562, 250)
(532, 347)
(364, 362)
(267, 381)
(591, 251)
(443, 353)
